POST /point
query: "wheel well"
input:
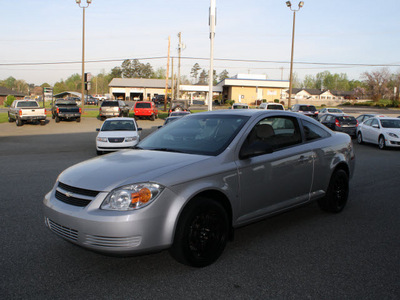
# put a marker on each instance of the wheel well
(344, 167)
(220, 198)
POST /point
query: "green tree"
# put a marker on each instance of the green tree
(9, 100)
(195, 72)
(223, 75)
(203, 77)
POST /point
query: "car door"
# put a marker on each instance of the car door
(274, 181)
(375, 131)
(366, 130)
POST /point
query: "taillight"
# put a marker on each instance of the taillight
(80, 110)
(58, 110)
(20, 112)
(337, 123)
(357, 123)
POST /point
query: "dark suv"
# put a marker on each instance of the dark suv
(114, 108)
(306, 109)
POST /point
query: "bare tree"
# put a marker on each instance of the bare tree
(377, 83)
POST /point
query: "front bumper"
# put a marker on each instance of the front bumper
(112, 232)
(107, 146)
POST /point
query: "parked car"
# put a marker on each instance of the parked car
(90, 100)
(240, 106)
(145, 109)
(276, 106)
(160, 99)
(116, 134)
(169, 120)
(113, 108)
(23, 111)
(382, 131)
(364, 117)
(340, 122)
(64, 109)
(179, 105)
(179, 113)
(305, 109)
(329, 110)
(187, 186)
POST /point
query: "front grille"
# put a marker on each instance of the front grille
(74, 196)
(76, 190)
(65, 232)
(71, 199)
(116, 140)
(115, 242)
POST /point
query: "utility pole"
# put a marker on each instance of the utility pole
(166, 79)
(172, 79)
(212, 35)
(178, 94)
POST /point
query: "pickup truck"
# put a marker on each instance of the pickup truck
(64, 109)
(22, 111)
(145, 109)
(113, 108)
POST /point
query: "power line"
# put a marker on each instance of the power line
(202, 58)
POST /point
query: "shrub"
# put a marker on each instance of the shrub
(276, 100)
(9, 100)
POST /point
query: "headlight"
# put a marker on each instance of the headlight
(131, 139)
(393, 135)
(132, 197)
(102, 139)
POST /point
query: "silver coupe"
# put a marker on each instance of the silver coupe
(187, 186)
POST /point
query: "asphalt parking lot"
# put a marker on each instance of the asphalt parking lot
(302, 254)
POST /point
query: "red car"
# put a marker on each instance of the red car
(146, 109)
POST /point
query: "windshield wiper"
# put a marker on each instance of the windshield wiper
(167, 150)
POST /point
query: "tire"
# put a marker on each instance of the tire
(78, 119)
(42, 122)
(153, 117)
(381, 142)
(338, 191)
(57, 119)
(201, 233)
(99, 152)
(359, 138)
(53, 117)
(10, 119)
(19, 122)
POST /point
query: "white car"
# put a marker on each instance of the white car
(383, 131)
(276, 106)
(116, 134)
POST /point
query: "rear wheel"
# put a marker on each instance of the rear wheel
(10, 119)
(78, 119)
(336, 196)
(382, 142)
(359, 138)
(19, 122)
(57, 119)
(201, 233)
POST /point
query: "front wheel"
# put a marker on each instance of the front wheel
(10, 119)
(153, 117)
(338, 191)
(201, 233)
(381, 142)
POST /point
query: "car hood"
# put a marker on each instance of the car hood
(126, 167)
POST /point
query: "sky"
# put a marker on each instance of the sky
(253, 36)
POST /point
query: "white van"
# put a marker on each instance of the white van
(276, 106)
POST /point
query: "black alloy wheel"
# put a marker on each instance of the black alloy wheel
(201, 234)
(338, 191)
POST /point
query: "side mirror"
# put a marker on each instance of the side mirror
(139, 128)
(97, 129)
(255, 149)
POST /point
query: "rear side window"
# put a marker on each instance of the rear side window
(142, 105)
(313, 132)
(275, 106)
(109, 103)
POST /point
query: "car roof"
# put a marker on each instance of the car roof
(119, 118)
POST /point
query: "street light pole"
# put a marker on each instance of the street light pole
(83, 51)
(289, 4)
(212, 35)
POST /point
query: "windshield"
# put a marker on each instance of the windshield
(196, 134)
(390, 123)
(27, 104)
(335, 110)
(109, 103)
(120, 125)
(307, 108)
(143, 105)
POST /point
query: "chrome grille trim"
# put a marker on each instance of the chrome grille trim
(71, 199)
(64, 232)
(113, 242)
(76, 190)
